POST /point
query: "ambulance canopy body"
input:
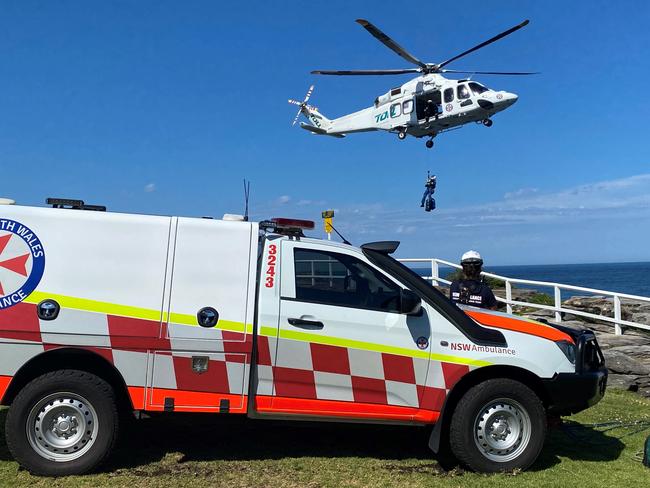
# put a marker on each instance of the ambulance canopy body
(101, 311)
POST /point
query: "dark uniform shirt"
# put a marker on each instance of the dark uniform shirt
(472, 292)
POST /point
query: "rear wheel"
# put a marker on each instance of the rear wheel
(62, 423)
(499, 425)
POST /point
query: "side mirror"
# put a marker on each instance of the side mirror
(410, 303)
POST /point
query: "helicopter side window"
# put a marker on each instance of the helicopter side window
(449, 95)
(407, 107)
(477, 89)
(395, 110)
(462, 92)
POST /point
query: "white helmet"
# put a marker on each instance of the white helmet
(471, 257)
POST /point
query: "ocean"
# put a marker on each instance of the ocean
(631, 278)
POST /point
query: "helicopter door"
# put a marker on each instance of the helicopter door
(448, 101)
(464, 96)
(408, 111)
(427, 106)
(396, 115)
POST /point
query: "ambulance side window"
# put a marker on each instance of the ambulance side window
(342, 280)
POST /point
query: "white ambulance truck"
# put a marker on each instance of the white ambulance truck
(103, 313)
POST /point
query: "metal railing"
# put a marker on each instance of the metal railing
(557, 307)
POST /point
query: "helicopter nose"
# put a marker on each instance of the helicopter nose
(509, 98)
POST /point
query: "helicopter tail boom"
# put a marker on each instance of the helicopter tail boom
(319, 131)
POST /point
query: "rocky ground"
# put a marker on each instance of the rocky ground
(627, 356)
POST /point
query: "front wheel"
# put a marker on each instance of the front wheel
(498, 425)
(62, 423)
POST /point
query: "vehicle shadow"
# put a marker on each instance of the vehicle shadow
(578, 442)
(240, 439)
(197, 437)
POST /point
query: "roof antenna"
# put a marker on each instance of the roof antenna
(247, 192)
(345, 241)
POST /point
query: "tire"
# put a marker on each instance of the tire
(515, 419)
(62, 401)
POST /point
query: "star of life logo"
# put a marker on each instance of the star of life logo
(22, 262)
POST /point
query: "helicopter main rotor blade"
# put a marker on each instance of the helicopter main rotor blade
(490, 72)
(389, 43)
(366, 72)
(483, 44)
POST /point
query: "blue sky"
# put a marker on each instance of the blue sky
(163, 107)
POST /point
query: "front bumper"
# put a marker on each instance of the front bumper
(569, 393)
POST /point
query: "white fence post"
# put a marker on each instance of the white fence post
(558, 303)
(617, 315)
(434, 272)
(508, 296)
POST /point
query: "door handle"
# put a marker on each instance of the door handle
(207, 317)
(306, 324)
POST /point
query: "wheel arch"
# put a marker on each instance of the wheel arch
(441, 428)
(70, 358)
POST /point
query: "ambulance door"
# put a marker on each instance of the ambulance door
(343, 347)
(204, 357)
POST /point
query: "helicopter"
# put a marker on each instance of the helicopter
(422, 107)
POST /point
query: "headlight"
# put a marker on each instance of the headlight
(568, 349)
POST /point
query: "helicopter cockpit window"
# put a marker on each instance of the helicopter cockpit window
(477, 89)
(449, 95)
(462, 92)
(395, 110)
(407, 107)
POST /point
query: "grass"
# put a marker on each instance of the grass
(210, 451)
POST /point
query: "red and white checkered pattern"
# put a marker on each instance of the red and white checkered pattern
(298, 369)
(324, 372)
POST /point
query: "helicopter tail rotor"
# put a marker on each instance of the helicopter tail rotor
(304, 107)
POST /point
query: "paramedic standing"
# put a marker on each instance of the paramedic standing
(472, 289)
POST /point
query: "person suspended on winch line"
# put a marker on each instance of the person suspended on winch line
(429, 190)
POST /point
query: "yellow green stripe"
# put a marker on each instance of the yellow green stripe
(190, 320)
(369, 346)
(96, 306)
